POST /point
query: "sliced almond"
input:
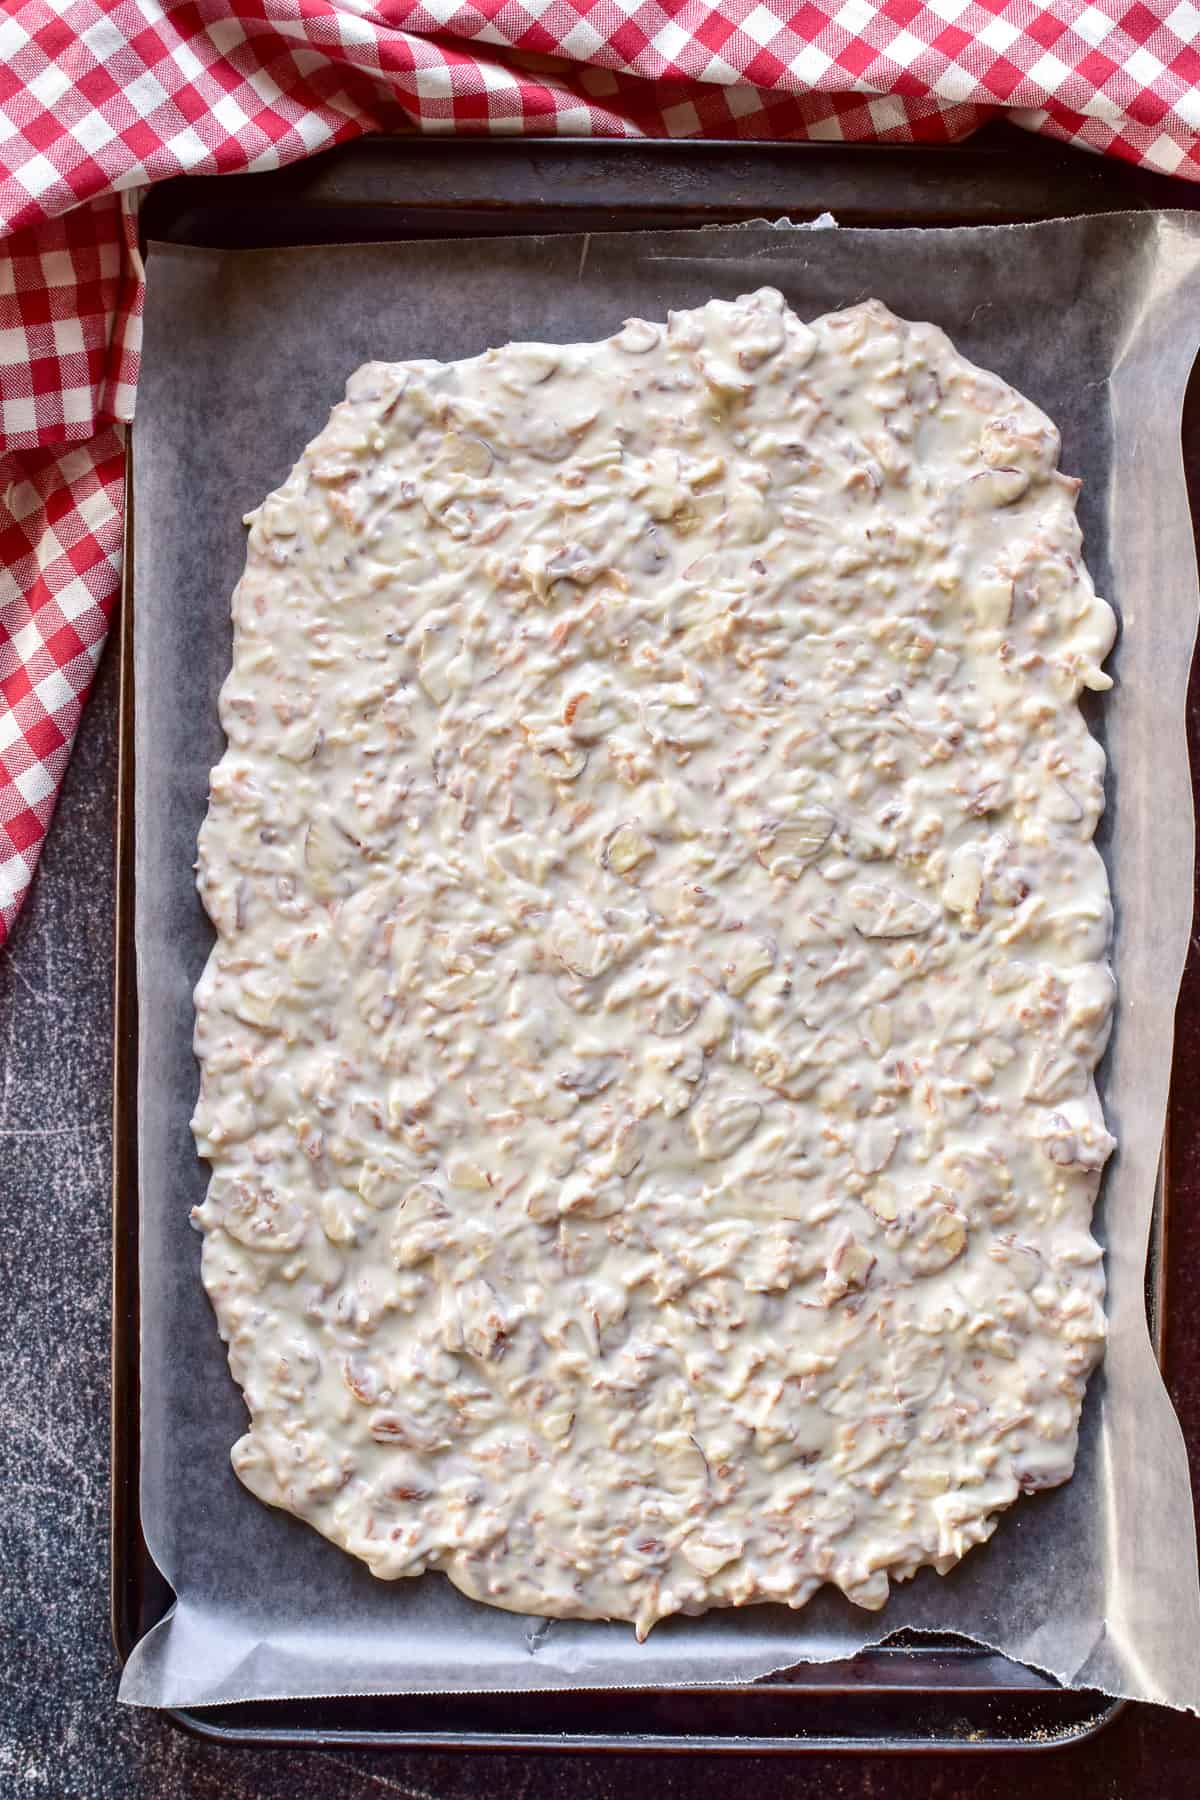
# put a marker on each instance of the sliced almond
(720, 1127)
(874, 1146)
(744, 961)
(880, 912)
(626, 847)
(797, 840)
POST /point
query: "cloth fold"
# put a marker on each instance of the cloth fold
(99, 98)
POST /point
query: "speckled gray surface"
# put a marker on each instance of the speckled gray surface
(62, 1735)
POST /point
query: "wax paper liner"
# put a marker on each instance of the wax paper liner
(245, 352)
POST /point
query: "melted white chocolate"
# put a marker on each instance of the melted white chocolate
(647, 1051)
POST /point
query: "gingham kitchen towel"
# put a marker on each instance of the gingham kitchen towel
(100, 97)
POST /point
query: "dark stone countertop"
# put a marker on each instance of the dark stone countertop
(62, 1734)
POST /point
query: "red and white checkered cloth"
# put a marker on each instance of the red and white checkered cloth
(100, 97)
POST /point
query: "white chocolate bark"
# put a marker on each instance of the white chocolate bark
(647, 1052)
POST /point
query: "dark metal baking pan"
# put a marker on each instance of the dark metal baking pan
(914, 1693)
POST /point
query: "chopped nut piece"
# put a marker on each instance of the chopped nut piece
(963, 888)
(849, 1267)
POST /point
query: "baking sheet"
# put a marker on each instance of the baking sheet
(245, 351)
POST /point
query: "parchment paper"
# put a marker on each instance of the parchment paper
(245, 352)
